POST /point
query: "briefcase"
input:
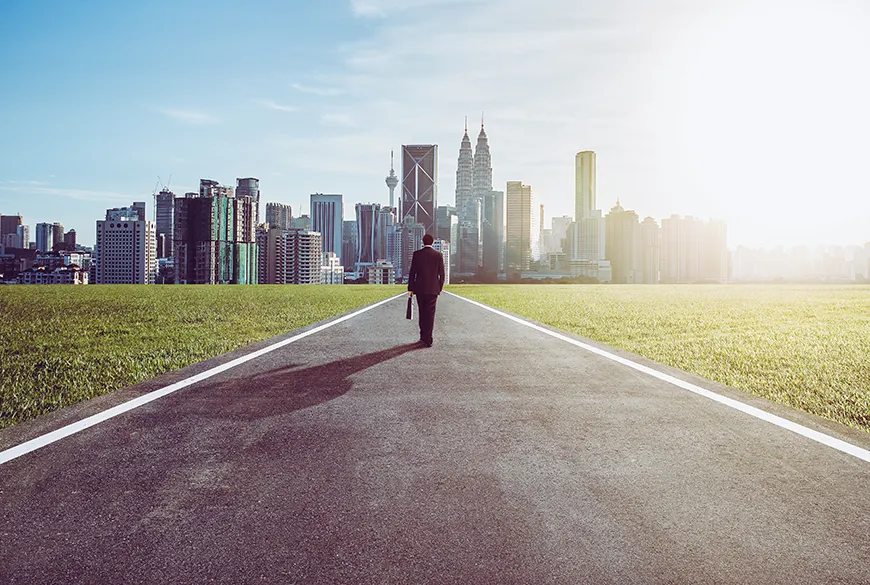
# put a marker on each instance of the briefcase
(409, 312)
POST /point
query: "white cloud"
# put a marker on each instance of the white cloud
(275, 106)
(322, 91)
(192, 117)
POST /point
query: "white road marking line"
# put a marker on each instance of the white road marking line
(63, 432)
(822, 438)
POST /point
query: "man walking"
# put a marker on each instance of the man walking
(426, 279)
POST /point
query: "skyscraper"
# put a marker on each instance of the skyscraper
(126, 248)
(366, 223)
(279, 215)
(44, 237)
(420, 184)
(164, 203)
(250, 187)
(57, 233)
(214, 237)
(518, 228)
(348, 245)
(24, 236)
(492, 231)
(467, 245)
(584, 184)
(327, 215)
(482, 172)
(392, 181)
(465, 178)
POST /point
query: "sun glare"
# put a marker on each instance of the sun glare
(768, 108)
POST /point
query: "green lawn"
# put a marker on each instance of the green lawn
(804, 346)
(63, 344)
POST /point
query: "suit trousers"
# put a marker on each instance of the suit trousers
(426, 308)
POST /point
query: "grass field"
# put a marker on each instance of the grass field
(804, 346)
(63, 344)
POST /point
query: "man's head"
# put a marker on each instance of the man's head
(428, 239)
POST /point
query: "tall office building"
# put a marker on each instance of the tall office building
(164, 205)
(214, 237)
(126, 248)
(392, 182)
(57, 233)
(465, 179)
(279, 215)
(9, 225)
(249, 187)
(348, 244)
(327, 215)
(584, 184)
(482, 172)
(492, 231)
(44, 237)
(367, 237)
(559, 231)
(623, 244)
(518, 226)
(420, 184)
(24, 236)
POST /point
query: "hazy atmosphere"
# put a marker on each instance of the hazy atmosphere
(753, 112)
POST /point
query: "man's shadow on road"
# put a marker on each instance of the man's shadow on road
(287, 389)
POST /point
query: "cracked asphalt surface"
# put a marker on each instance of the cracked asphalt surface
(499, 455)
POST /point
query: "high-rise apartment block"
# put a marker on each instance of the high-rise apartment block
(623, 245)
(291, 256)
(279, 215)
(650, 251)
(164, 203)
(214, 240)
(693, 251)
(382, 272)
(518, 228)
(420, 184)
(249, 188)
(126, 247)
(327, 215)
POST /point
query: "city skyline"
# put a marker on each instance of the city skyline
(699, 110)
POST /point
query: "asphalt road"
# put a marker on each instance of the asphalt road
(499, 455)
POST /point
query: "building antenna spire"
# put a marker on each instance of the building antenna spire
(391, 159)
(481, 120)
(466, 124)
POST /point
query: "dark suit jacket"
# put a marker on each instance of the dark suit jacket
(426, 276)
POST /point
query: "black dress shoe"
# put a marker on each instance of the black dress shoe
(428, 342)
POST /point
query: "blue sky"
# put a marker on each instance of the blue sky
(755, 112)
